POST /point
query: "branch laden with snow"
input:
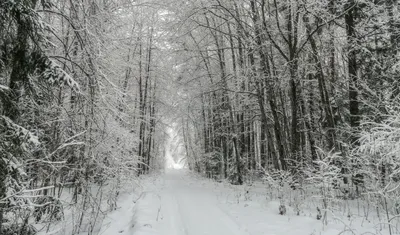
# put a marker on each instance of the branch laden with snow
(53, 73)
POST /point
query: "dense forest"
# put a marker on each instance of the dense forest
(299, 92)
(287, 83)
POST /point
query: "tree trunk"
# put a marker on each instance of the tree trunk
(352, 69)
(18, 76)
(266, 73)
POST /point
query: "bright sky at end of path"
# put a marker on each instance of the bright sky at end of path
(173, 148)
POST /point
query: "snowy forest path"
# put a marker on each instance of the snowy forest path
(182, 203)
(188, 208)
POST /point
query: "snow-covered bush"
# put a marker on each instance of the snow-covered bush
(323, 176)
(379, 157)
(17, 145)
(284, 183)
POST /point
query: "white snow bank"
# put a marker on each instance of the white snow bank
(120, 220)
(137, 211)
(146, 214)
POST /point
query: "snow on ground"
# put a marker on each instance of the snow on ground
(120, 220)
(136, 210)
(180, 203)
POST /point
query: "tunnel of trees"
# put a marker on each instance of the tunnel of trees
(255, 88)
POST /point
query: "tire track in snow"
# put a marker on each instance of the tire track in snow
(194, 211)
(172, 221)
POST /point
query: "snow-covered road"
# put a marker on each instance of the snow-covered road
(181, 203)
(189, 209)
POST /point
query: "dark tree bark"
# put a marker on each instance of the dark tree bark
(19, 76)
(266, 73)
(350, 19)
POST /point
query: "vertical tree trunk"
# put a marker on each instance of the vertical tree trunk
(152, 127)
(292, 21)
(226, 101)
(352, 69)
(19, 75)
(141, 111)
(265, 67)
